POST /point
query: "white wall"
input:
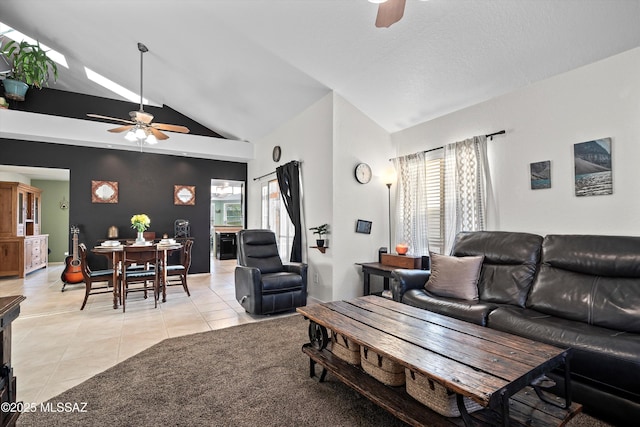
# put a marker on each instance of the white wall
(331, 137)
(357, 139)
(543, 121)
(307, 138)
(14, 177)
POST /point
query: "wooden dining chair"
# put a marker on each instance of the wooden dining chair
(180, 271)
(91, 277)
(132, 259)
(149, 236)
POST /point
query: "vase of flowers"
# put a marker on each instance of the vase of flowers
(140, 222)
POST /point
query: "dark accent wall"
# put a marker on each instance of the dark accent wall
(145, 186)
(76, 106)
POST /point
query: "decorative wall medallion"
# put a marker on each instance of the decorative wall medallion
(104, 192)
(184, 195)
(64, 203)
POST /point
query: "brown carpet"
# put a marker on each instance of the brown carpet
(248, 375)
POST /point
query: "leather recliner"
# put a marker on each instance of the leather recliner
(263, 283)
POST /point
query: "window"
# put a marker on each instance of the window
(434, 163)
(232, 214)
(276, 218)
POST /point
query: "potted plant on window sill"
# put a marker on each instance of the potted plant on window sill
(320, 230)
(31, 67)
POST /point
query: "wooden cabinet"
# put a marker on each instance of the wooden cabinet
(11, 256)
(35, 252)
(22, 248)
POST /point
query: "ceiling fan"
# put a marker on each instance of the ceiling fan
(389, 12)
(140, 127)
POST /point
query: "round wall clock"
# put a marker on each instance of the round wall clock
(277, 152)
(363, 173)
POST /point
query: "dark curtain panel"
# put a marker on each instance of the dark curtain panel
(289, 182)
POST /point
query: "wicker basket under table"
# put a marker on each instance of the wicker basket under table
(345, 349)
(381, 368)
(435, 396)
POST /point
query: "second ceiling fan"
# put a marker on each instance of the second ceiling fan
(389, 11)
(140, 127)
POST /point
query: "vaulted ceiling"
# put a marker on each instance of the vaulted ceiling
(244, 67)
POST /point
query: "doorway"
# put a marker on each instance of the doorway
(227, 216)
(54, 184)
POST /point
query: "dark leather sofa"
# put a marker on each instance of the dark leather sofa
(579, 291)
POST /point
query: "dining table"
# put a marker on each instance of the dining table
(115, 252)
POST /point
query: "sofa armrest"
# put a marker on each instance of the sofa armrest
(298, 268)
(403, 280)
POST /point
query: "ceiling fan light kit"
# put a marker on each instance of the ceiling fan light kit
(140, 128)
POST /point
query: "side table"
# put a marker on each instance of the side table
(377, 269)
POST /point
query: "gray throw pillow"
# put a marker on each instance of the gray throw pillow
(454, 277)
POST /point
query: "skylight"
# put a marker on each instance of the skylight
(59, 58)
(16, 35)
(113, 86)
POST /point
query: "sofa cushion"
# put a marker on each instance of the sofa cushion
(473, 311)
(510, 261)
(591, 279)
(281, 282)
(454, 277)
(602, 355)
(258, 248)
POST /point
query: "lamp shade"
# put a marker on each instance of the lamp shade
(151, 139)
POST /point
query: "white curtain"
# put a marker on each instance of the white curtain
(466, 172)
(411, 203)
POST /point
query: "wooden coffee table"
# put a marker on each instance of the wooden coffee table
(501, 372)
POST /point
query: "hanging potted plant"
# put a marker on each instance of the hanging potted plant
(320, 230)
(31, 67)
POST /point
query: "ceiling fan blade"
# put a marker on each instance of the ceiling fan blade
(141, 119)
(172, 128)
(159, 135)
(98, 116)
(389, 12)
(120, 129)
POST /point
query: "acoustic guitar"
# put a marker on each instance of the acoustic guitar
(72, 273)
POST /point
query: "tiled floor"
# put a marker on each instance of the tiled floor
(56, 346)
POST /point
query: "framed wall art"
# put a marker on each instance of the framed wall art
(104, 192)
(184, 195)
(593, 171)
(540, 175)
(363, 226)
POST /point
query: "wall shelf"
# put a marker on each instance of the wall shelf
(321, 249)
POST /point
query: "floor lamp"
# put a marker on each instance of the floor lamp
(389, 191)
